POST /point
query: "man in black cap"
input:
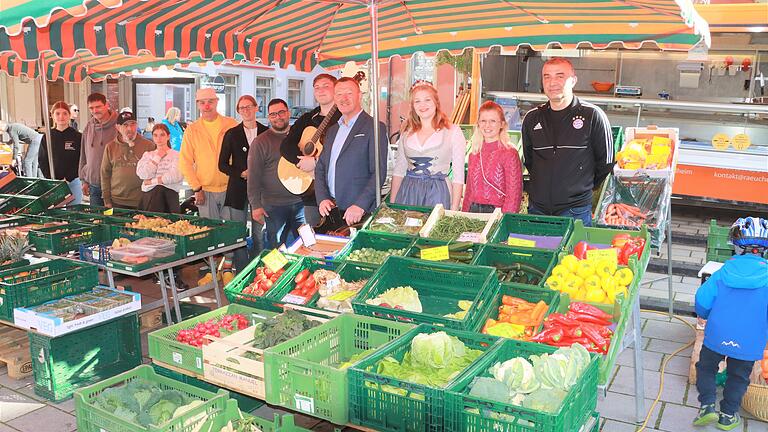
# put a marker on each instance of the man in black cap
(120, 185)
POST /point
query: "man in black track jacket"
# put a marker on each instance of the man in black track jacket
(567, 146)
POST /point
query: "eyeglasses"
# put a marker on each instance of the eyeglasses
(75, 110)
(246, 108)
(278, 113)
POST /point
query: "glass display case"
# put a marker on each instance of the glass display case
(723, 156)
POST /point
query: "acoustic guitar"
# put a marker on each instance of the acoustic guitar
(310, 144)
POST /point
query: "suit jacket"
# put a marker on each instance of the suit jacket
(233, 160)
(355, 167)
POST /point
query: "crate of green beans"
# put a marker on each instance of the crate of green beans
(449, 225)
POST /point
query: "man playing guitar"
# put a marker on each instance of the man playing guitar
(323, 86)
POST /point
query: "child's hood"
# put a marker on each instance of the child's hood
(745, 272)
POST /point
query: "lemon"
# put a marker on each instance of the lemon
(592, 283)
(608, 283)
(596, 296)
(570, 262)
(624, 276)
(555, 282)
(560, 270)
(585, 269)
(574, 282)
(605, 267)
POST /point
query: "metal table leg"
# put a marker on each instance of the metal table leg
(174, 293)
(212, 263)
(166, 306)
(110, 278)
(638, 337)
(669, 261)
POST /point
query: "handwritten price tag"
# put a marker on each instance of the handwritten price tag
(470, 237)
(439, 253)
(275, 260)
(514, 241)
(413, 222)
(609, 253)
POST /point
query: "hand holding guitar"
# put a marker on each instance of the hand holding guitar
(307, 164)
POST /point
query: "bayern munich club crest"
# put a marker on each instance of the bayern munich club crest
(578, 122)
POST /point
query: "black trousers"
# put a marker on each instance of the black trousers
(736, 384)
(161, 200)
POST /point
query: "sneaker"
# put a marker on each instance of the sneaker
(729, 422)
(707, 415)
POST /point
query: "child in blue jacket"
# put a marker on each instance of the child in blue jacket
(734, 301)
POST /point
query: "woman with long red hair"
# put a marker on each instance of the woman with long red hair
(495, 174)
(428, 149)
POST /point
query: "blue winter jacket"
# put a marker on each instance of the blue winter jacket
(734, 301)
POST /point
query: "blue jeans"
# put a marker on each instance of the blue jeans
(736, 384)
(95, 194)
(75, 186)
(283, 224)
(584, 213)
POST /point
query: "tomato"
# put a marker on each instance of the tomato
(580, 250)
(302, 276)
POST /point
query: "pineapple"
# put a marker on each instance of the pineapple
(12, 247)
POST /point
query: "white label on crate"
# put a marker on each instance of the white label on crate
(177, 358)
(470, 237)
(294, 299)
(413, 222)
(303, 403)
(385, 220)
(199, 362)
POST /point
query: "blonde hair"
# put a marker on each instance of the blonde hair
(477, 136)
(413, 122)
(172, 113)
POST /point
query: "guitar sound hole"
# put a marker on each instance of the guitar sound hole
(309, 149)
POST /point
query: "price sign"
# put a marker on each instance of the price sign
(275, 260)
(385, 221)
(609, 253)
(470, 237)
(721, 141)
(109, 212)
(307, 235)
(413, 222)
(514, 241)
(439, 253)
(741, 141)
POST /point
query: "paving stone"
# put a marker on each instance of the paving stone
(678, 365)
(670, 331)
(692, 396)
(9, 382)
(66, 406)
(668, 347)
(29, 391)
(685, 298)
(47, 419)
(617, 426)
(651, 360)
(621, 408)
(6, 428)
(13, 405)
(676, 418)
(674, 385)
(756, 426)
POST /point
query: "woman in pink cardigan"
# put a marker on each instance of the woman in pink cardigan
(495, 174)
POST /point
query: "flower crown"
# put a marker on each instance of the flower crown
(418, 83)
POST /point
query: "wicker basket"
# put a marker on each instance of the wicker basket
(755, 399)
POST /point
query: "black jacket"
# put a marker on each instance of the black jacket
(566, 160)
(233, 160)
(289, 149)
(66, 154)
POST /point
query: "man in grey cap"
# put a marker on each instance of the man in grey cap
(99, 131)
(21, 134)
(120, 185)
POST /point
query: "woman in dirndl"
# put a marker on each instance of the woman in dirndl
(429, 167)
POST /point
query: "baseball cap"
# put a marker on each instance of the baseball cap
(206, 93)
(125, 117)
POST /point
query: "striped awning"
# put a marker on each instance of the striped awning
(87, 66)
(304, 33)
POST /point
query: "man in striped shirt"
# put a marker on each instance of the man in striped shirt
(567, 147)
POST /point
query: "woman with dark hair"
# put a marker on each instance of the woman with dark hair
(159, 170)
(65, 151)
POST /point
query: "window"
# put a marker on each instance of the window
(263, 94)
(422, 67)
(229, 100)
(295, 91)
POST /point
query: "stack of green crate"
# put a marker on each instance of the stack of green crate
(718, 248)
(234, 289)
(65, 363)
(57, 240)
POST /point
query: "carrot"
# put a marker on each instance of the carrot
(511, 301)
(538, 312)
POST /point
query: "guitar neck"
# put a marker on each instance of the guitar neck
(324, 124)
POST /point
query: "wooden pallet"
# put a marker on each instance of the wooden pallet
(14, 352)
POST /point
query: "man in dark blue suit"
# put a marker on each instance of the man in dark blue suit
(345, 175)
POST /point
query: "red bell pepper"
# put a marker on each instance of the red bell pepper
(559, 320)
(594, 336)
(586, 318)
(603, 330)
(634, 246)
(588, 309)
(554, 334)
(580, 250)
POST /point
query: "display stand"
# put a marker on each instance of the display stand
(160, 271)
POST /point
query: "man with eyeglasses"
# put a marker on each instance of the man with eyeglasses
(74, 113)
(233, 161)
(272, 203)
(199, 157)
(322, 86)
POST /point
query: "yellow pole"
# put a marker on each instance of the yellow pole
(474, 98)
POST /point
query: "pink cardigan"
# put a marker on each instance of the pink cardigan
(503, 170)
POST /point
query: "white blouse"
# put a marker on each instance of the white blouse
(443, 156)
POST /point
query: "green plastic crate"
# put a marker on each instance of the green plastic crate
(21, 205)
(58, 192)
(164, 348)
(225, 232)
(303, 373)
(718, 247)
(528, 293)
(14, 264)
(285, 284)
(43, 282)
(17, 185)
(553, 226)
(63, 364)
(575, 411)
(500, 256)
(371, 227)
(246, 403)
(423, 242)
(440, 287)
(350, 272)
(61, 239)
(285, 423)
(604, 236)
(186, 245)
(234, 289)
(91, 418)
(423, 407)
(377, 241)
